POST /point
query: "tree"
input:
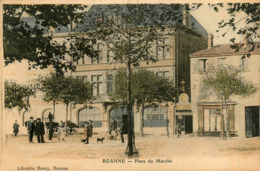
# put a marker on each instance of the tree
(52, 88)
(129, 31)
(74, 90)
(147, 89)
(59, 88)
(226, 81)
(27, 35)
(17, 95)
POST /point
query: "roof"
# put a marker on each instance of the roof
(166, 14)
(170, 14)
(227, 49)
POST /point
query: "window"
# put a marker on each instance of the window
(111, 51)
(212, 120)
(164, 74)
(98, 58)
(84, 78)
(202, 65)
(244, 62)
(155, 117)
(110, 56)
(162, 48)
(97, 85)
(109, 83)
(93, 114)
(81, 61)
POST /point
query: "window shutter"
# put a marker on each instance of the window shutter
(231, 117)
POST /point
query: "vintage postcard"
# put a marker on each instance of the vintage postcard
(129, 85)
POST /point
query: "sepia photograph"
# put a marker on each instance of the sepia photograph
(120, 85)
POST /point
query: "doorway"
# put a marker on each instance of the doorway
(188, 124)
(252, 121)
(185, 122)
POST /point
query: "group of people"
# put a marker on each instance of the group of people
(88, 131)
(39, 130)
(113, 130)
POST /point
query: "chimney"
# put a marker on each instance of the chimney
(210, 41)
(72, 26)
(186, 18)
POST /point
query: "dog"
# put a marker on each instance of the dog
(100, 139)
(84, 141)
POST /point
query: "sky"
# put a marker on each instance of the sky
(209, 19)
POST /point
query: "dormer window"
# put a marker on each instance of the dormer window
(114, 20)
(99, 21)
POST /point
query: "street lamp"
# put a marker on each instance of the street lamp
(174, 113)
(167, 120)
(183, 85)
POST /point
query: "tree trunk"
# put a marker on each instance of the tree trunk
(222, 119)
(129, 111)
(131, 143)
(227, 120)
(142, 121)
(53, 110)
(67, 109)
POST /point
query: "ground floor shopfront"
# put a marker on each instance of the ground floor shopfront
(154, 120)
(242, 120)
(159, 119)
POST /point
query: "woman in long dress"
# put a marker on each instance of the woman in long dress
(61, 131)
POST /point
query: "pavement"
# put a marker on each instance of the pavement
(188, 152)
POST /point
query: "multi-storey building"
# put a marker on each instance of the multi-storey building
(171, 50)
(243, 112)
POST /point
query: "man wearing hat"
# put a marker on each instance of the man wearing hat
(50, 116)
(16, 128)
(91, 127)
(31, 128)
(39, 131)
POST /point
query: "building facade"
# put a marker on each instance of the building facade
(172, 51)
(243, 112)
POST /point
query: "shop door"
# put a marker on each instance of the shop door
(252, 121)
(248, 113)
(188, 124)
